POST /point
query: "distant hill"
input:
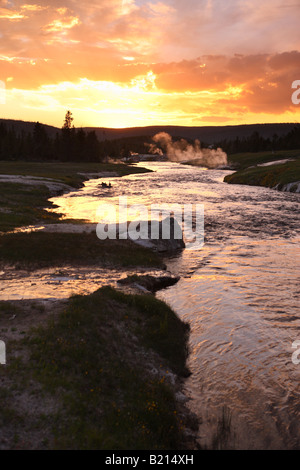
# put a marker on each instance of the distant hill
(26, 126)
(207, 134)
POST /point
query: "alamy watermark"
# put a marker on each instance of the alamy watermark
(296, 94)
(155, 222)
(2, 353)
(2, 92)
(295, 358)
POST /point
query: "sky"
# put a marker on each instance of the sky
(127, 63)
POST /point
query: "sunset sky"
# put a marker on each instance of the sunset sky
(124, 63)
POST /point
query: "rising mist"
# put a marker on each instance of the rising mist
(182, 151)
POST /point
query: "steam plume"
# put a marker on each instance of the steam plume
(182, 151)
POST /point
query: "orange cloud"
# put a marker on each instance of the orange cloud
(210, 62)
(11, 15)
(62, 25)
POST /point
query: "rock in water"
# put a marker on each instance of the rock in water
(162, 236)
(150, 283)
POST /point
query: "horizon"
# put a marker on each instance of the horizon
(114, 65)
(157, 125)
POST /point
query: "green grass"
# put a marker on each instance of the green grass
(267, 176)
(242, 161)
(43, 249)
(93, 359)
(22, 205)
(63, 172)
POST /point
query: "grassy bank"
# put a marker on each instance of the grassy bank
(68, 173)
(275, 175)
(45, 249)
(24, 204)
(269, 176)
(96, 377)
(241, 161)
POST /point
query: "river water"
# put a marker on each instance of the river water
(240, 294)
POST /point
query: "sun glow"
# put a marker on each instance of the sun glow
(118, 105)
(136, 62)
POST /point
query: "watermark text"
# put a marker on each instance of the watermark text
(154, 222)
(296, 94)
(295, 358)
(2, 353)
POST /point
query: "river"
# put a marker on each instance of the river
(240, 294)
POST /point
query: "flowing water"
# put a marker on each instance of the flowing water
(240, 294)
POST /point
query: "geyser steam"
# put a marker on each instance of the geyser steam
(182, 151)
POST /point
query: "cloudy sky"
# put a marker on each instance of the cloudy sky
(124, 63)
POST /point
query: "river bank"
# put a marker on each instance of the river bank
(71, 361)
(68, 381)
(280, 171)
(26, 187)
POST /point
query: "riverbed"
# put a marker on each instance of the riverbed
(239, 292)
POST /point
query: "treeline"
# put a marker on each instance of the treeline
(68, 144)
(256, 143)
(71, 144)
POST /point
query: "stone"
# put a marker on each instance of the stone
(150, 283)
(169, 241)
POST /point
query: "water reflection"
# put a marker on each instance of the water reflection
(243, 305)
